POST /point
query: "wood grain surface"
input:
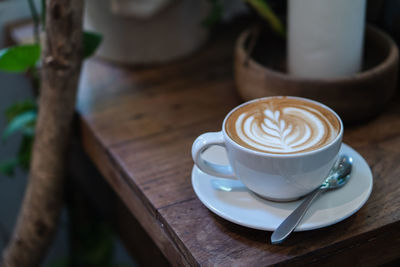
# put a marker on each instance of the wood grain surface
(138, 125)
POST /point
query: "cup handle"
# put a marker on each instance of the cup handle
(202, 143)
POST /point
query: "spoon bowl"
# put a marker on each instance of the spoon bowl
(340, 173)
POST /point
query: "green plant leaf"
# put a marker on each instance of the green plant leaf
(264, 10)
(19, 108)
(22, 57)
(7, 167)
(91, 41)
(24, 121)
(19, 58)
(25, 151)
(215, 14)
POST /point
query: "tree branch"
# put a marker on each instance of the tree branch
(41, 207)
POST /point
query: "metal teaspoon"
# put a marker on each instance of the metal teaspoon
(337, 178)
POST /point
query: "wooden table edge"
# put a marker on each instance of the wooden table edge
(150, 219)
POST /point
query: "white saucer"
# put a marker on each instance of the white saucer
(234, 202)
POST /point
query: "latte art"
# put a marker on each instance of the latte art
(282, 125)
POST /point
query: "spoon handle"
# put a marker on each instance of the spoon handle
(290, 223)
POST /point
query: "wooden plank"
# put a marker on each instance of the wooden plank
(162, 164)
(215, 241)
(121, 105)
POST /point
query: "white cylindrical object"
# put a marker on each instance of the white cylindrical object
(325, 37)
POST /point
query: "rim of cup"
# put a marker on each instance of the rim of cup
(288, 155)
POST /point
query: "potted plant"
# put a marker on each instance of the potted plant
(144, 32)
(267, 63)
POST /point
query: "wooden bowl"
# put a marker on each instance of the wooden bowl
(355, 98)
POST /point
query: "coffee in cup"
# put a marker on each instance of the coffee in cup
(282, 125)
(281, 148)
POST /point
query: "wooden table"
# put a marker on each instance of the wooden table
(138, 125)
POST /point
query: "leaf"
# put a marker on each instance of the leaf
(25, 151)
(91, 41)
(19, 108)
(19, 58)
(24, 121)
(215, 14)
(7, 167)
(264, 10)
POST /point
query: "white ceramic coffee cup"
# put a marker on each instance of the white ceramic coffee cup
(278, 177)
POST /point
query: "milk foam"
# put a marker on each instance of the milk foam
(284, 129)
